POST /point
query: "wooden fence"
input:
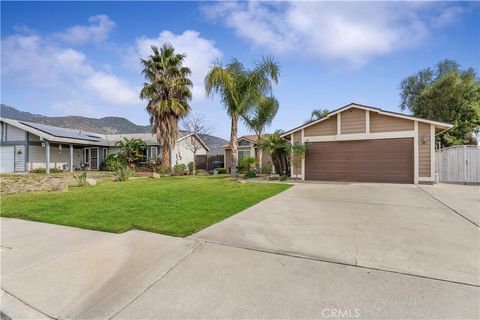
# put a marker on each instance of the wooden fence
(458, 164)
(204, 162)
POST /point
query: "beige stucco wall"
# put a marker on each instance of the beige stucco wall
(58, 158)
(383, 123)
(323, 128)
(424, 149)
(353, 120)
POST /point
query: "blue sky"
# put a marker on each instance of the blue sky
(73, 58)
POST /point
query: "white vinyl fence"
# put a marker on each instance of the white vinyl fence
(458, 164)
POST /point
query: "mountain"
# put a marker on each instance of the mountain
(107, 125)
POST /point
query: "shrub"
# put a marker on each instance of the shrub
(250, 174)
(55, 170)
(179, 169)
(202, 173)
(247, 164)
(39, 170)
(123, 173)
(113, 162)
(221, 170)
(163, 170)
(283, 178)
(81, 179)
(266, 170)
(190, 167)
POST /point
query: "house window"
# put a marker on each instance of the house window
(104, 153)
(243, 154)
(153, 152)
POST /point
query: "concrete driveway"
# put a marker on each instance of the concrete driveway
(390, 227)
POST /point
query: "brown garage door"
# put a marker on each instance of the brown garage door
(385, 160)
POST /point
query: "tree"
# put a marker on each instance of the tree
(318, 113)
(298, 153)
(240, 89)
(196, 125)
(168, 93)
(261, 116)
(132, 150)
(446, 94)
(278, 148)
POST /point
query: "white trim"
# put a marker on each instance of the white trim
(303, 160)
(367, 121)
(291, 156)
(156, 152)
(197, 137)
(432, 151)
(339, 123)
(380, 111)
(415, 153)
(71, 157)
(362, 136)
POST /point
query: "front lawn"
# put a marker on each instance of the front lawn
(178, 206)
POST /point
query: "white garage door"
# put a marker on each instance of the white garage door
(7, 159)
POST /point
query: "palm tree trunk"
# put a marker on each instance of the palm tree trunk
(260, 155)
(233, 146)
(166, 157)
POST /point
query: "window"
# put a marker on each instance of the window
(104, 153)
(153, 152)
(243, 154)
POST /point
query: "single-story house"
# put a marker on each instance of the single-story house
(27, 145)
(360, 143)
(247, 147)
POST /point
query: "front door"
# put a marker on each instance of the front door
(90, 158)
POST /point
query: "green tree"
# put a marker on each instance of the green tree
(240, 89)
(298, 153)
(261, 116)
(446, 94)
(168, 93)
(279, 150)
(318, 113)
(132, 150)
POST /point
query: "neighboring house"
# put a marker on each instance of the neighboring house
(366, 144)
(26, 146)
(247, 147)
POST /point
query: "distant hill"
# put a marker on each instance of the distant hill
(107, 125)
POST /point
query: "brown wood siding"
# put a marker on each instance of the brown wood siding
(383, 160)
(383, 123)
(324, 128)
(353, 121)
(424, 150)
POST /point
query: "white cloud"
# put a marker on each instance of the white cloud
(200, 53)
(352, 32)
(112, 89)
(97, 31)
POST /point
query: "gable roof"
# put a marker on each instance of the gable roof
(443, 125)
(249, 137)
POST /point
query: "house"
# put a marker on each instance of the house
(366, 144)
(247, 147)
(27, 145)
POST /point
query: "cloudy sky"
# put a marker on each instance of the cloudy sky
(64, 58)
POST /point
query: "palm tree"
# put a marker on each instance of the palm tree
(278, 148)
(260, 116)
(318, 113)
(239, 90)
(168, 92)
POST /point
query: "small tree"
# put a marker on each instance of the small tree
(298, 153)
(318, 113)
(278, 148)
(131, 150)
(196, 125)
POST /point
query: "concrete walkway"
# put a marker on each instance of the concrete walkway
(51, 271)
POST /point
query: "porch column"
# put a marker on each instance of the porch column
(71, 157)
(47, 156)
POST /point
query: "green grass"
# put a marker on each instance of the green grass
(176, 206)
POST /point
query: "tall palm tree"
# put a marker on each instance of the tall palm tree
(239, 90)
(168, 93)
(261, 116)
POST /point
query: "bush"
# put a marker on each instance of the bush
(163, 170)
(123, 173)
(113, 162)
(221, 170)
(246, 164)
(283, 178)
(56, 170)
(202, 173)
(266, 170)
(250, 174)
(179, 169)
(39, 170)
(81, 179)
(190, 167)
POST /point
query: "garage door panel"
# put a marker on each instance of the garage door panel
(383, 160)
